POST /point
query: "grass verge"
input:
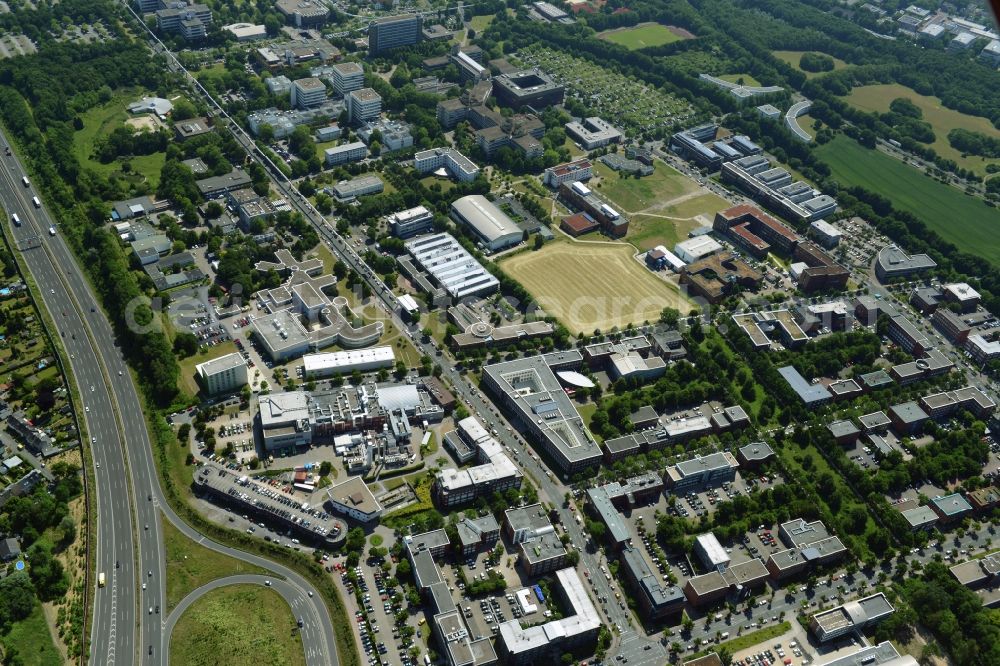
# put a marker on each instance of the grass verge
(189, 565)
(31, 640)
(262, 632)
(748, 640)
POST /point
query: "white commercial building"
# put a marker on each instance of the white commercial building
(363, 105)
(307, 93)
(593, 132)
(354, 499)
(825, 233)
(346, 362)
(245, 32)
(491, 225)
(348, 76)
(693, 249)
(451, 266)
(455, 163)
(410, 222)
(349, 152)
(711, 552)
(223, 374)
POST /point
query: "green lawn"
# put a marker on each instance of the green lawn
(238, 624)
(32, 640)
(793, 58)
(641, 36)
(646, 231)
(635, 194)
(190, 565)
(587, 412)
(741, 79)
(963, 220)
(750, 639)
(480, 23)
(100, 121)
(942, 120)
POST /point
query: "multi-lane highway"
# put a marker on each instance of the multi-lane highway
(129, 549)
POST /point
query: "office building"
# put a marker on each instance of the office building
(487, 222)
(592, 133)
(965, 297)
(303, 13)
(576, 631)
(951, 508)
(657, 599)
(774, 188)
(991, 53)
(697, 248)
(893, 263)
(907, 418)
(911, 339)
(822, 271)
(328, 364)
(701, 472)
(530, 391)
(883, 654)
(737, 582)
(408, 223)
(363, 105)
(933, 364)
(451, 266)
(849, 617)
(190, 21)
(308, 93)
(980, 574)
(358, 187)
(981, 349)
(952, 325)
(347, 77)
(494, 472)
(224, 374)
(920, 518)
(711, 553)
(812, 394)
(540, 550)
(348, 152)
(825, 234)
(808, 544)
(392, 32)
(454, 163)
(690, 144)
(581, 197)
(714, 277)
(353, 498)
(529, 87)
(748, 226)
(754, 454)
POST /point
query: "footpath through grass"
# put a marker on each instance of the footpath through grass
(958, 218)
(237, 624)
(31, 640)
(190, 565)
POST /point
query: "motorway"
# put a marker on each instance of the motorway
(123, 457)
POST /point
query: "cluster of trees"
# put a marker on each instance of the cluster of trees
(124, 142)
(974, 143)
(828, 355)
(816, 62)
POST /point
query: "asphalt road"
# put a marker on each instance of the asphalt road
(311, 640)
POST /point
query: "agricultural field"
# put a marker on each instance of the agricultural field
(793, 57)
(633, 107)
(635, 194)
(262, 631)
(99, 122)
(963, 220)
(592, 285)
(942, 120)
(642, 36)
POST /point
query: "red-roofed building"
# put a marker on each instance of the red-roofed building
(579, 224)
(749, 240)
(760, 223)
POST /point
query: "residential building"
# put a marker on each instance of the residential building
(392, 32)
(348, 152)
(529, 390)
(487, 222)
(224, 374)
(363, 105)
(354, 499)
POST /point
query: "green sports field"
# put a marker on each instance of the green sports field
(963, 220)
(641, 36)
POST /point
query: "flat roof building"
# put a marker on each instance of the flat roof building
(490, 225)
(656, 598)
(907, 418)
(392, 32)
(754, 454)
(920, 517)
(694, 249)
(327, 364)
(593, 132)
(456, 164)
(540, 549)
(527, 87)
(701, 472)
(951, 507)
(355, 500)
(494, 471)
(738, 582)
(528, 388)
(813, 395)
(303, 13)
(883, 654)
(850, 616)
(893, 263)
(224, 374)
(451, 266)
(711, 552)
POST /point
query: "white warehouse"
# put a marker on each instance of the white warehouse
(693, 249)
(346, 362)
(491, 225)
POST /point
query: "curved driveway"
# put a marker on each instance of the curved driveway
(312, 639)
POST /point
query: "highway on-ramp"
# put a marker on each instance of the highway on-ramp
(129, 499)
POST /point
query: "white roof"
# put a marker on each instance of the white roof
(575, 378)
(407, 302)
(401, 397)
(714, 553)
(342, 359)
(826, 228)
(698, 246)
(961, 291)
(484, 217)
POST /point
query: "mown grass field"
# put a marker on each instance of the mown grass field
(100, 121)
(641, 36)
(186, 378)
(963, 220)
(741, 79)
(591, 286)
(238, 624)
(635, 194)
(793, 57)
(877, 98)
(190, 565)
(647, 231)
(32, 640)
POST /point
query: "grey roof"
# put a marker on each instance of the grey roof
(488, 221)
(952, 505)
(843, 428)
(657, 592)
(919, 516)
(609, 515)
(874, 420)
(808, 393)
(756, 451)
(235, 179)
(892, 259)
(909, 412)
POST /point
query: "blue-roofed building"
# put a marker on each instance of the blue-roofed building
(813, 395)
